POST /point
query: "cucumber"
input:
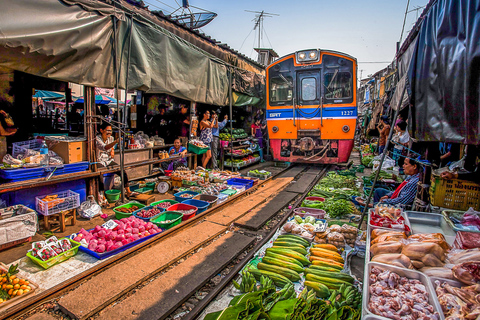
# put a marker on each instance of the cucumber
(295, 237)
(290, 253)
(290, 274)
(292, 241)
(282, 263)
(298, 249)
(330, 275)
(284, 258)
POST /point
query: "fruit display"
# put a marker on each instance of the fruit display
(128, 210)
(127, 230)
(12, 285)
(149, 213)
(45, 250)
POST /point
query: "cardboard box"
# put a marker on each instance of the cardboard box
(70, 152)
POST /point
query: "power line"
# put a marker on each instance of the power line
(165, 4)
(246, 39)
(151, 4)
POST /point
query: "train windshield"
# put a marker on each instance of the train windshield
(281, 89)
(338, 85)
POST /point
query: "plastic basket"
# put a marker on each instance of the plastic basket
(184, 206)
(57, 259)
(22, 146)
(229, 192)
(201, 205)
(169, 201)
(306, 212)
(65, 200)
(197, 150)
(119, 215)
(135, 213)
(315, 199)
(454, 194)
(237, 181)
(112, 195)
(222, 198)
(179, 198)
(212, 200)
(167, 215)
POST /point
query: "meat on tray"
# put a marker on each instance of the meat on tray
(399, 298)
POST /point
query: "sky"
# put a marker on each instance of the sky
(365, 29)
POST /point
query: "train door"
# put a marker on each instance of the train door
(308, 110)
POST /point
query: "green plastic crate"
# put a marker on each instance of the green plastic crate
(119, 215)
(197, 150)
(167, 215)
(57, 259)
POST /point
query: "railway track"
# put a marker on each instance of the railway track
(236, 227)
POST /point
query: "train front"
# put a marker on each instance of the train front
(311, 106)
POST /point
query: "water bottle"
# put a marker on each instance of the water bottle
(44, 151)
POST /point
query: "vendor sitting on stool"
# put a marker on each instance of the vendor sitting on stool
(105, 153)
(406, 191)
(177, 149)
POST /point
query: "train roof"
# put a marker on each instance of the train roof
(321, 51)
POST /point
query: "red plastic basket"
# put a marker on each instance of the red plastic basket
(182, 206)
(168, 173)
(315, 199)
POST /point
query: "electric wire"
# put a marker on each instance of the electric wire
(245, 39)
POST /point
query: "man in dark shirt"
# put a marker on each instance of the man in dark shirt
(472, 164)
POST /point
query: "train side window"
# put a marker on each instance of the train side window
(281, 89)
(309, 89)
(338, 85)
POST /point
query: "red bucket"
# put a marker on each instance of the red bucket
(183, 206)
(315, 199)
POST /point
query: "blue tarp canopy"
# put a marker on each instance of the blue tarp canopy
(99, 99)
(46, 95)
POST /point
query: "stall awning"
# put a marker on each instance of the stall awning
(46, 95)
(240, 99)
(99, 99)
(73, 40)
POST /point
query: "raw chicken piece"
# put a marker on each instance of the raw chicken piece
(395, 259)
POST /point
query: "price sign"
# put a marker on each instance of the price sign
(110, 224)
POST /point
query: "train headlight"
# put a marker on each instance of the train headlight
(308, 56)
(275, 129)
(345, 128)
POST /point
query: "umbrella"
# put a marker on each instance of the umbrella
(44, 95)
(99, 99)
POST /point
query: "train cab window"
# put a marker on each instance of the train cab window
(309, 89)
(281, 89)
(338, 85)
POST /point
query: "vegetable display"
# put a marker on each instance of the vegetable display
(367, 161)
(148, 213)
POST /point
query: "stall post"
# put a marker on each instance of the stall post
(230, 84)
(193, 110)
(89, 129)
(381, 160)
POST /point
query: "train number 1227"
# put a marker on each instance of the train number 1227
(347, 113)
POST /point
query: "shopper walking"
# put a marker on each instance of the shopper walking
(206, 136)
(384, 129)
(217, 126)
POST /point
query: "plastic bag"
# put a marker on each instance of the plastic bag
(89, 208)
(8, 159)
(387, 163)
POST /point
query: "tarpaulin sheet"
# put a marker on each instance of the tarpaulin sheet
(444, 74)
(73, 41)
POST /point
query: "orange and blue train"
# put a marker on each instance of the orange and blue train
(312, 106)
